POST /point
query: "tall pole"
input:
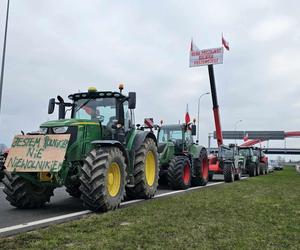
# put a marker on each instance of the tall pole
(3, 53)
(198, 124)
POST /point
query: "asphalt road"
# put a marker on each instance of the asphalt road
(61, 204)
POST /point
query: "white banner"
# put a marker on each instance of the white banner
(206, 57)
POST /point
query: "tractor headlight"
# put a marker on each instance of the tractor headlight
(43, 130)
(60, 130)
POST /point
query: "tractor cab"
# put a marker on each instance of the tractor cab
(177, 135)
(94, 115)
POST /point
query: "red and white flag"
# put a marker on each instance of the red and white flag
(194, 47)
(225, 43)
(187, 115)
(246, 137)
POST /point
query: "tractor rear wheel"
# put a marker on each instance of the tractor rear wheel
(228, 172)
(262, 169)
(200, 171)
(258, 170)
(252, 170)
(22, 193)
(146, 171)
(103, 179)
(179, 173)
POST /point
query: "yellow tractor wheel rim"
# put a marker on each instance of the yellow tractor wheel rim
(113, 180)
(150, 168)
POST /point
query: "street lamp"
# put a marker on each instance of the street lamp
(235, 125)
(3, 53)
(207, 93)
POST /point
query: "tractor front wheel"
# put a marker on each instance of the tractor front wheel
(201, 169)
(103, 179)
(238, 174)
(146, 171)
(179, 173)
(21, 193)
(252, 170)
(228, 172)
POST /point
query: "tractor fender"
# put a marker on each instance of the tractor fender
(140, 138)
(111, 143)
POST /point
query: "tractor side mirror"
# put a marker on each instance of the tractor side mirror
(51, 106)
(131, 100)
(194, 130)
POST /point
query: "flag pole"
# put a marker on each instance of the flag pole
(3, 53)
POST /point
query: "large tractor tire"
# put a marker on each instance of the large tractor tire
(103, 179)
(179, 173)
(200, 174)
(258, 170)
(252, 170)
(21, 193)
(228, 172)
(146, 171)
(238, 174)
(262, 168)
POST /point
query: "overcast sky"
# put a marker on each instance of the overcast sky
(62, 46)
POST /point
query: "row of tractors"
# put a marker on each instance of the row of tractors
(109, 158)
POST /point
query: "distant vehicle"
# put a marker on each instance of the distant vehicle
(275, 165)
(271, 165)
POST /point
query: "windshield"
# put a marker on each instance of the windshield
(245, 152)
(226, 153)
(167, 134)
(98, 109)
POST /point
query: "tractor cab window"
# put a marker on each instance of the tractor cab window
(127, 117)
(245, 152)
(98, 109)
(169, 135)
(188, 136)
(226, 153)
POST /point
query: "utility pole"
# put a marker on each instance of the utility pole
(3, 53)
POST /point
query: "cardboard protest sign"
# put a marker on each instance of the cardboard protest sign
(37, 153)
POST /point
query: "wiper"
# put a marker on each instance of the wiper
(85, 103)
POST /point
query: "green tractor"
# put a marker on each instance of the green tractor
(182, 162)
(252, 161)
(106, 156)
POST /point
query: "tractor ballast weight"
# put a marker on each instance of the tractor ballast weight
(106, 155)
(182, 162)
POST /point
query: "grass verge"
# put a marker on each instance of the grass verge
(257, 213)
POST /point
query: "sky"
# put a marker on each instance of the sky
(62, 46)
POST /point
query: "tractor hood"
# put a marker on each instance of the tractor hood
(67, 123)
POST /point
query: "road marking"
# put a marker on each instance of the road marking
(39, 222)
(81, 213)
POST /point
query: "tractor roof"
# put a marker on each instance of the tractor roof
(172, 127)
(96, 94)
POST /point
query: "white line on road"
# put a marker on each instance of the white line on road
(67, 216)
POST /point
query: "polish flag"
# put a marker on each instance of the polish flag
(246, 138)
(225, 43)
(187, 116)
